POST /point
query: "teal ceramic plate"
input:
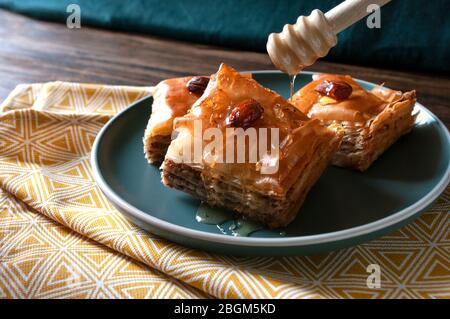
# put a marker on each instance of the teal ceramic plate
(344, 208)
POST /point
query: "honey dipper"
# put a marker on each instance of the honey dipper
(299, 45)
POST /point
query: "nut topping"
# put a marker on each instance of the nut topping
(245, 113)
(198, 84)
(337, 90)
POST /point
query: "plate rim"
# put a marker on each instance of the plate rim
(296, 241)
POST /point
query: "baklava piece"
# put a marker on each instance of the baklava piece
(171, 98)
(370, 121)
(268, 189)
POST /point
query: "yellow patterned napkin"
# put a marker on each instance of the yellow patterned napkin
(61, 238)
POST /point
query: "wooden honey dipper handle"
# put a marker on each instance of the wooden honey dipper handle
(299, 45)
(349, 12)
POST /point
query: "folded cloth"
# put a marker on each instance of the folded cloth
(40, 258)
(60, 237)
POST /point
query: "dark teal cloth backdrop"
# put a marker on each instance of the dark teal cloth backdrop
(414, 34)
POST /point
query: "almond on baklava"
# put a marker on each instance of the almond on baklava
(268, 188)
(370, 121)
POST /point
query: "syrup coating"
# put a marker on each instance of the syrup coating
(360, 106)
(299, 136)
(171, 99)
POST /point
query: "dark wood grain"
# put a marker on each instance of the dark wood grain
(36, 51)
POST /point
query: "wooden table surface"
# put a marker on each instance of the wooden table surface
(37, 51)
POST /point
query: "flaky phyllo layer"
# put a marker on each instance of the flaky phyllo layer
(171, 98)
(292, 147)
(285, 151)
(370, 121)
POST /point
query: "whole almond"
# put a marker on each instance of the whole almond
(198, 84)
(245, 113)
(337, 90)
